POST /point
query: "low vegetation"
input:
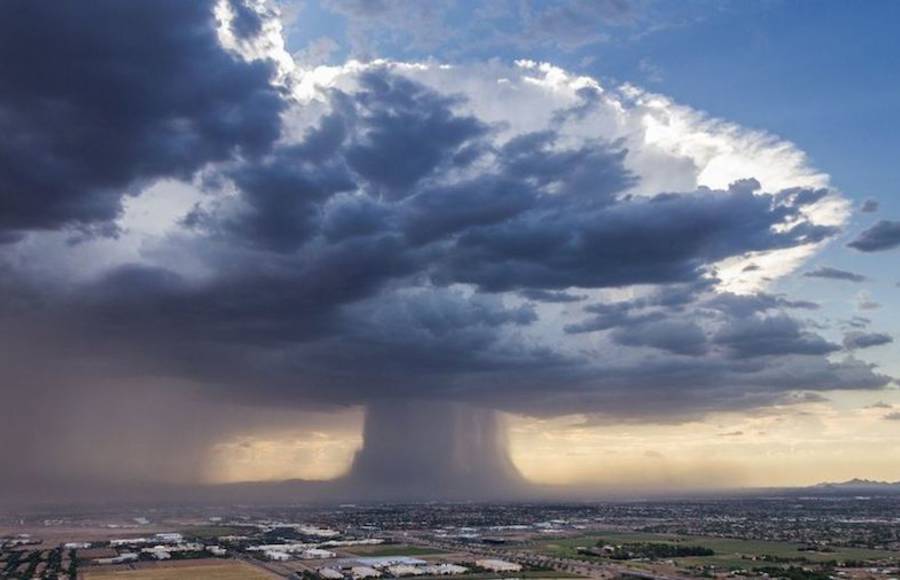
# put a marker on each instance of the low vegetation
(653, 550)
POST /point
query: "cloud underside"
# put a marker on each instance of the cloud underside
(835, 274)
(884, 235)
(381, 235)
(96, 115)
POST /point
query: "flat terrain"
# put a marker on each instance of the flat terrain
(542, 574)
(392, 550)
(218, 571)
(209, 532)
(728, 552)
(54, 535)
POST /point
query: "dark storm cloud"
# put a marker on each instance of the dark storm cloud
(384, 140)
(771, 336)
(367, 259)
(665, 239)
(640, 322)
(351, 216)
(255, 304)
(742, 305)
(536, 216)
(612, 315)
(593, 171)
(282, 194)
(527, 171)
(246, 23)
(830, 273)
(407, 133)
(869, 206)
(802, 196)
(439, 212)
(424, 340)
(548, 296)
(677, 337)
(360, 208)
(677, 296)
(675, 389)
(858, 340)
(884, 235)
(97, 99)
(335, 298)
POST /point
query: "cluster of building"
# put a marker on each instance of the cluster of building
(495, 565)
(122, 558)
(164, 537)
(395, 566)
(164, 546)
(18, 540)
(404, 566)
(302, 529)
(290, 551)
(285, 550)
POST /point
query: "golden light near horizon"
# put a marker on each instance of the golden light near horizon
(311, 456)
(793, 445)
(321, 447)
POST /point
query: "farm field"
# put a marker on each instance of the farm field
(223, 571)
(728, 552)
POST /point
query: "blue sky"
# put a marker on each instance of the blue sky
(816, 73)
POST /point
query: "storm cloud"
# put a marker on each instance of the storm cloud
(857, 340)
(98, 100)
(388, 238)
(884, 235)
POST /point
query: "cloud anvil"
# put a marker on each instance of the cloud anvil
(189, 214)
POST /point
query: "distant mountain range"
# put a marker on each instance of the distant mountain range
(858, 485)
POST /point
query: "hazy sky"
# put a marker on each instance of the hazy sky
(634, 243)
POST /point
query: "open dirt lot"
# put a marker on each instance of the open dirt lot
(212, 571)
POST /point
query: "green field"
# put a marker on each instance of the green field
(393, 550)
(730, 553)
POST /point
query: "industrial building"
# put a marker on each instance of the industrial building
(495, 565)
(330, 574)
(360, 572)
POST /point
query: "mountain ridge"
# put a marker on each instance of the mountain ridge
(858, 483)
